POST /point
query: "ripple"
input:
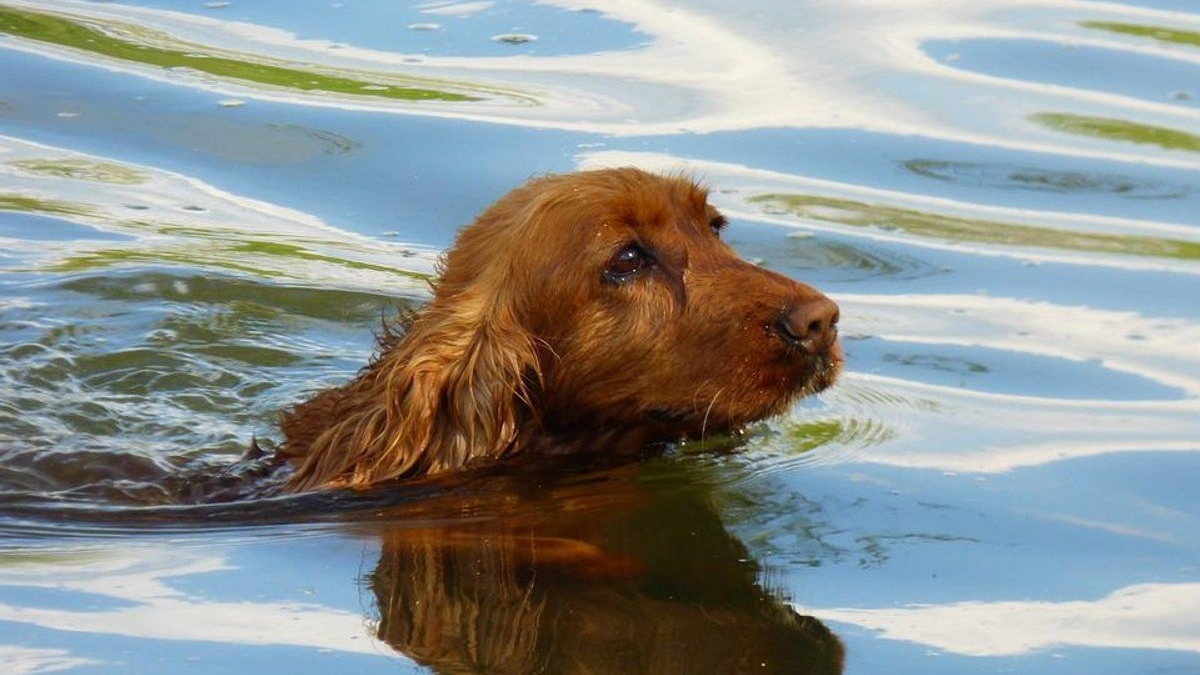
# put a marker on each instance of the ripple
(127, 494)
(930, 224)
(168, 219)
(822, 259)
(845, 425)
(862, 396)
(1005, 371)
(137, 376)
(830, 440)
(1010, 176)
(1138, 76)
(118, 375)
(127, 42)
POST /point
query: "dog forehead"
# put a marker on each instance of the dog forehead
(598, 210)
(651, 203)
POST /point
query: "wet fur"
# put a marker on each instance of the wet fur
(528, 346)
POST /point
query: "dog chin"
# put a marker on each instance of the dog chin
(822, 370)
(825, 373)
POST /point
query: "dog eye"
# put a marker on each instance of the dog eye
(626, 263)
(717, 224)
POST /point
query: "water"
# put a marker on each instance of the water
(205, 208)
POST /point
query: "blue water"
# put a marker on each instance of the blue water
(1003, 481)
(442, 28)
(1154, 79)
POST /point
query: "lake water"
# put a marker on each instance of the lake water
(205, 208)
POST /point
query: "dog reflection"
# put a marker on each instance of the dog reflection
(660, 589)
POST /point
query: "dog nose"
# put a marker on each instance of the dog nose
(810, 325)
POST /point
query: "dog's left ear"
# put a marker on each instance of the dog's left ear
(482, 366)
(454, 390)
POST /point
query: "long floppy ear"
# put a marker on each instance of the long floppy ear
(455, 389)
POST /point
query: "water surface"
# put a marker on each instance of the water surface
(205, 209)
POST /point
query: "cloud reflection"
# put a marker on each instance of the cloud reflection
(25, 661)
(706, 67)
(147, 606)
(1142, 616)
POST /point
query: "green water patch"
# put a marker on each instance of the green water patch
(81, 169)
(115, 41)
(841, 435)
(941, 226)
(189, 246)
(1160, 33)
(223, 252)
(37, 558)
(52, 207)
(247, 304)
(299, 253)
(804, 438)
(181, 255)
(1110, 129)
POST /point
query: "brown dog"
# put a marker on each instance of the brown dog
(597, 310)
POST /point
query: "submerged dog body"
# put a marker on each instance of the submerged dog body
(592, 309)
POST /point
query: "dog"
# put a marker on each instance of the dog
(597, 311)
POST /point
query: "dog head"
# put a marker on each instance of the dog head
(597, 304)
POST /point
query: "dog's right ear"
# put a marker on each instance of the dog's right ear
(454, 390)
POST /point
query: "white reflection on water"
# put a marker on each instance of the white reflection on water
(1159, 349)
(459, 9)
(958, 430)
(136, 581)
(951, 436)
(25, 661)
(852, 64)
(176, 219)
(982, 432)
(1142, 616)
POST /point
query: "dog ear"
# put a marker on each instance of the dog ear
(453, 390)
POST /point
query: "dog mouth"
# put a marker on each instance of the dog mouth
(818, 373)
(823, 370)
(670, 425)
